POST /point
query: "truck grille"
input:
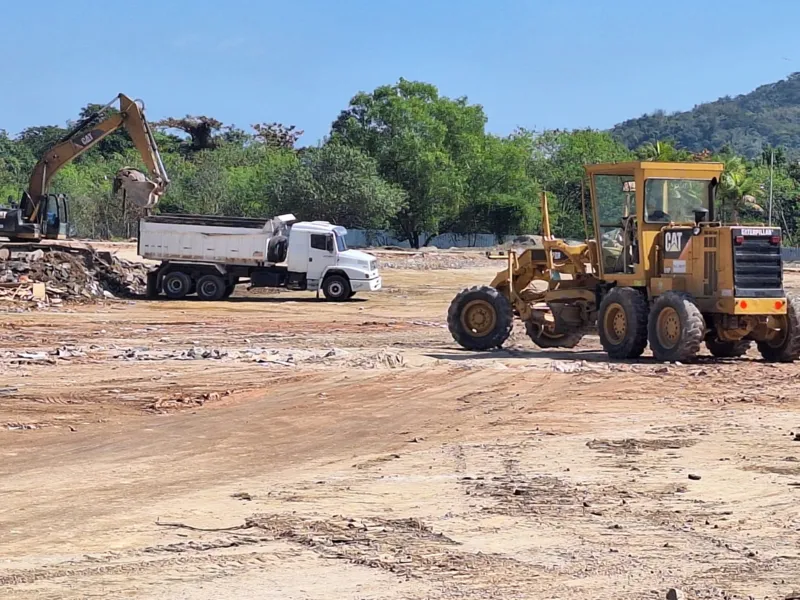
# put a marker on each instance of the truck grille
(757, 266)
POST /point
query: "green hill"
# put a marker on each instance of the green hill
(768, 115)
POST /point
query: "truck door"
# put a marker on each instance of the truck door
(321, 255)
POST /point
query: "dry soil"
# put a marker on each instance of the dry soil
(276, 446)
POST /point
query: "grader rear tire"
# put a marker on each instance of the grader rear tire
(786, 346)
(544, 339)
(622, 323)
(676, 327)
(480, 318)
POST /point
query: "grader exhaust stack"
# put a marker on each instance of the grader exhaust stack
(658, 269)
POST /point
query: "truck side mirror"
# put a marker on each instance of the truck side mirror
(329, 243)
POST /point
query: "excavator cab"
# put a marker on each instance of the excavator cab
(51, 223)
(55, 225)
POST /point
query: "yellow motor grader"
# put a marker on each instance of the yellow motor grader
(658, 267)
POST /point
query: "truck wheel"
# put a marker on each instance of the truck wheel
(676, 327)
(785, 346)
(622, 323)
(480, 318)
(176, 285)
(546, 339)
(336, 288)
(152, 285)
(210, 287)
(723, 349)
(229, 289)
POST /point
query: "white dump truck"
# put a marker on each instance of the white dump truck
(209, 256)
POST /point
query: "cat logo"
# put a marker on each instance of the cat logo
(672, 241)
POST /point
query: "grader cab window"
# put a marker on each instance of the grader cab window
(675, 200)
(615, 197)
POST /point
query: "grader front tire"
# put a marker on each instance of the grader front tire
(480, 318)
(676, 327)
(622, 323)
(786, 346)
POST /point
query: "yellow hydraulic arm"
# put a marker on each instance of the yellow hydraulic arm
(89, 132)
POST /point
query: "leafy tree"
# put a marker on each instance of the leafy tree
(663, 151)
(405, 157)
(38, 139)
(115, 143)
(739, 190)
(557, 159)
(16, 162)
(421, 142)
(340, 184)
(277, 135)
(501, 194)
(777, 156)
(203, 131)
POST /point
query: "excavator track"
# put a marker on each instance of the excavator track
(16, 250)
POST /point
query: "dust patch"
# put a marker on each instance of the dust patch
(407, 547)
(630, 446)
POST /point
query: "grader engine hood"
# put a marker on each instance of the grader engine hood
(722, 265)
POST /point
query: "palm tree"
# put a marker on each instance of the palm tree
(662, 151)
(738, 189)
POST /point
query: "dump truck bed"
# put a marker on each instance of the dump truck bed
(210, 239)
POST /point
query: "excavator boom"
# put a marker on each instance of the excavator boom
(140, 190)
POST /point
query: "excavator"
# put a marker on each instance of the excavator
(42, 215)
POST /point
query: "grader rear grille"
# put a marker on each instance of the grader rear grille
(757, 266)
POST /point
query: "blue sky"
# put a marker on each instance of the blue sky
(537, 64)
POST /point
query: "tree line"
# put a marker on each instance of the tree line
(770, 114)
(402, 158)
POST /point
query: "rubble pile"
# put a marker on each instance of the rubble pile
(286, 357)
(68, 275)
(432, 261)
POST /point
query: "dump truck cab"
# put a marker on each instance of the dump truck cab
(658, 267)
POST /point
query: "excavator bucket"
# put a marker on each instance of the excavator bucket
(137, 188)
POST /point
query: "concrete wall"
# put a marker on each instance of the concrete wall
(791, 254)
(359, 238)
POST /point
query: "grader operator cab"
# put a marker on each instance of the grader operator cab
(659, 268)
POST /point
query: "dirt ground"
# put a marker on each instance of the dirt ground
(275, 446)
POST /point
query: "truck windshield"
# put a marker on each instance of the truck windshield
(675, 200)
(341, 245)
